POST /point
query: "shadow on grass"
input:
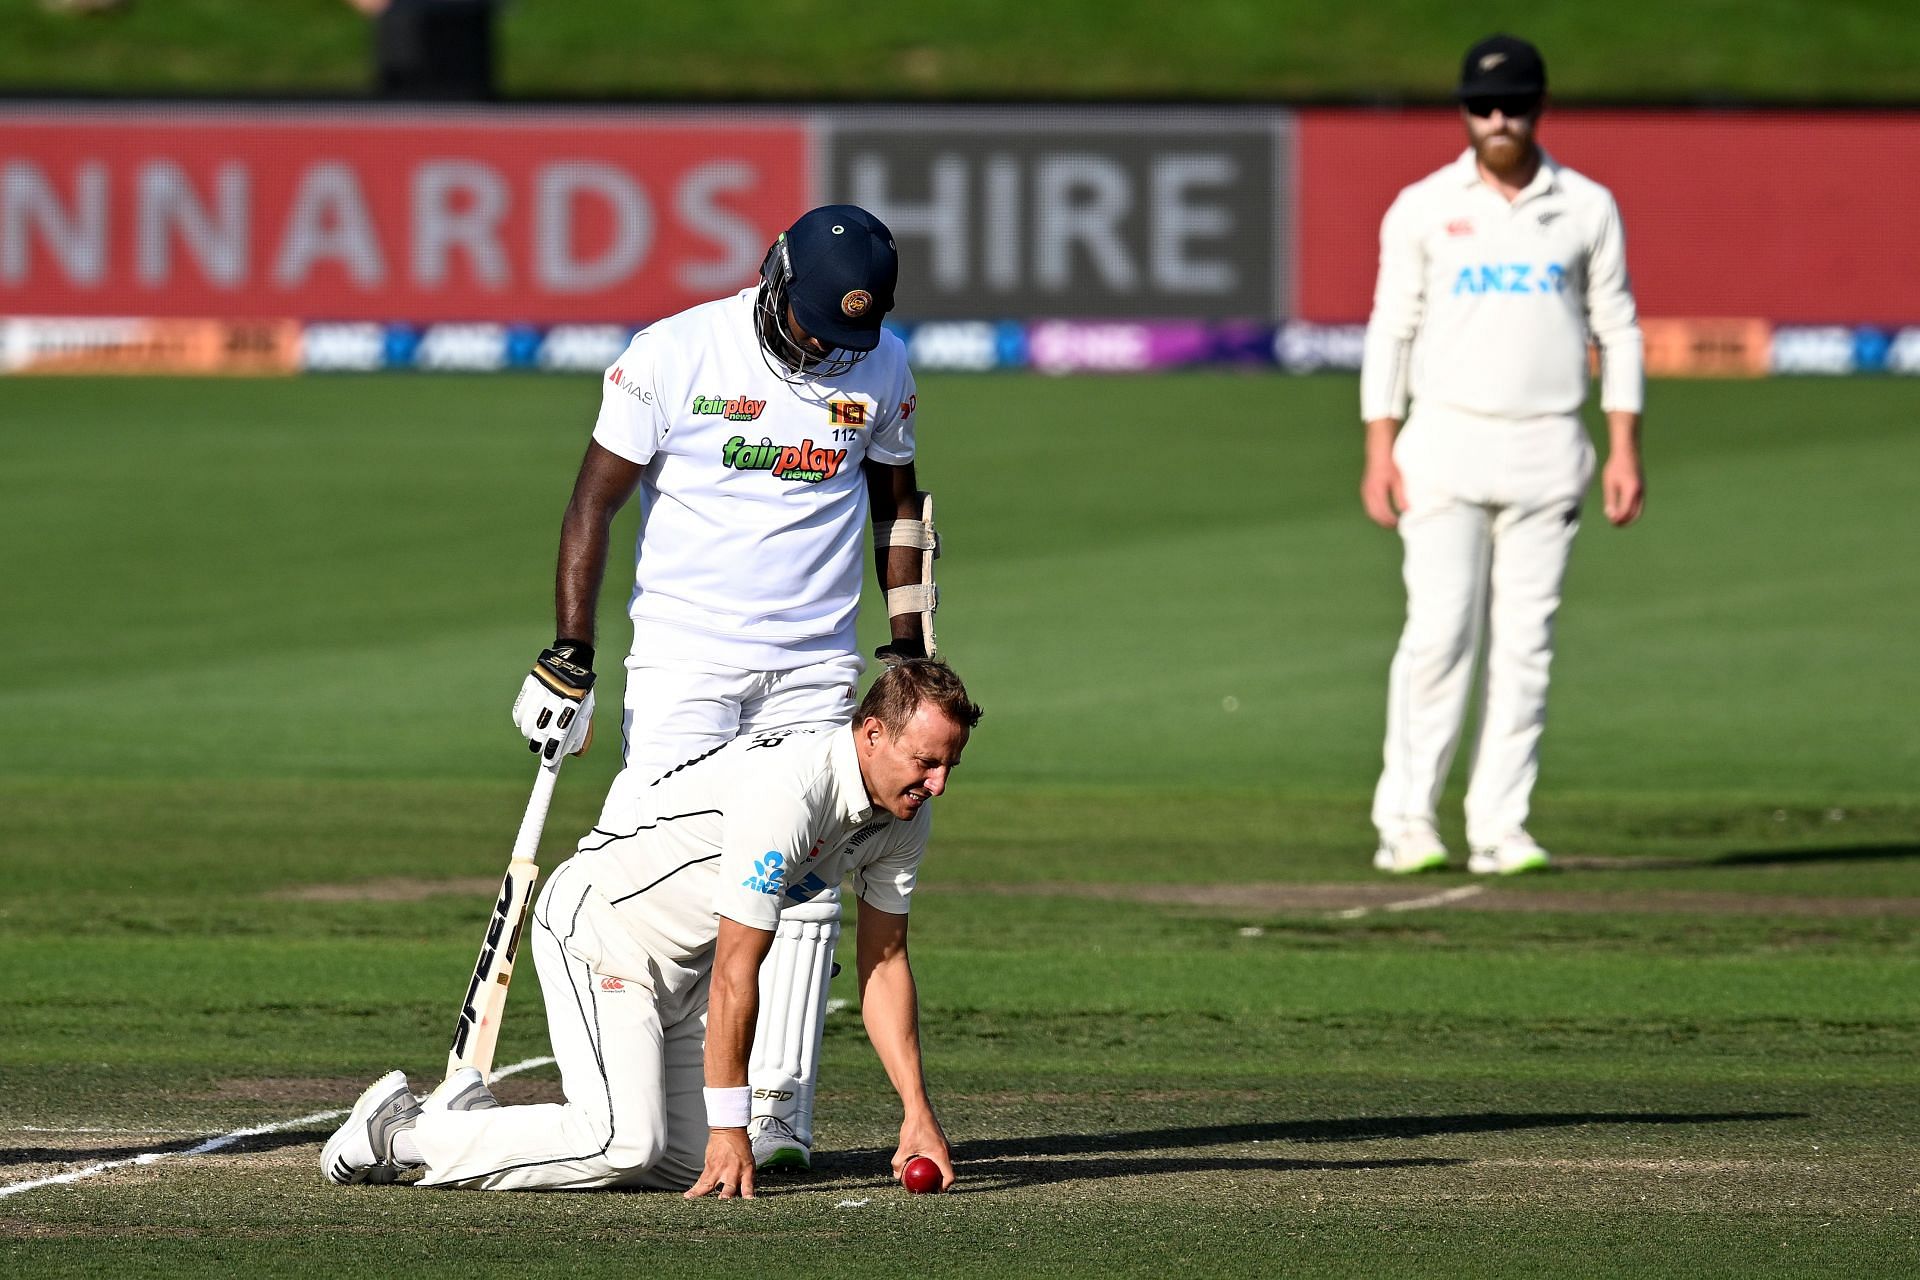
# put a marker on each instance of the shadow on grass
(1007, 1172)
(1742, 858)
(1010, 1161)
(1357, 1129)
(104, 1155)
(1802, 857)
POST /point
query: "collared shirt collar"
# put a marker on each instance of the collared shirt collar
(1467, 171)
(855, 803)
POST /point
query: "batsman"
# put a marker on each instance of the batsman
(762, 431)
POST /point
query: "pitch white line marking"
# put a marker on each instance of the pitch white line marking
(836, 1005)
(163, 1133)
(853, 1204)
(211, 1144)
(1415, 904)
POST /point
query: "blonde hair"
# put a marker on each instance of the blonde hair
(903, 688)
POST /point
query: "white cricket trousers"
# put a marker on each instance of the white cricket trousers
(628, 1031)
(677, 710)
(1493, 506)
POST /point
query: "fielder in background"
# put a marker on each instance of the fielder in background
(1494, 273)
(761, 429)
(651, 943)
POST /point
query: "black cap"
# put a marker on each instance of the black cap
(1502, 66)
(844, 271)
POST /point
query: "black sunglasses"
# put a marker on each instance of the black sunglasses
(1511, 105)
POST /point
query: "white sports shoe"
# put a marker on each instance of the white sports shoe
(1413, 848)
(464, 1090)
(1515, 854)
(361, 1149)
(777, 1146)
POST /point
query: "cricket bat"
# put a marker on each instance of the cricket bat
(478, 1029)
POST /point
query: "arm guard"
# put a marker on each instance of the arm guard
(920, 597)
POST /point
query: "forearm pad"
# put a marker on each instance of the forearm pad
(921, 597)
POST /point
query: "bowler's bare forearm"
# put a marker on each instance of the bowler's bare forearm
(733, 1001)
(890, 1006)
(605, 482)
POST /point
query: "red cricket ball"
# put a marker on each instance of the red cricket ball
(921, 1175)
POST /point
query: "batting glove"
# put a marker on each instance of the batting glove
(554, 711)
(895, 652)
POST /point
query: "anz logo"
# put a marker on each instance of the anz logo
(766, 876)
(1510, 277)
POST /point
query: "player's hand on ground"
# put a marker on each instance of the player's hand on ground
(554, 711)
(1383, 492)
(729, 1170)
(924, 1137)
(1623, 486)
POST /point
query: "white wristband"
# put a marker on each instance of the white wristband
(728, 1108)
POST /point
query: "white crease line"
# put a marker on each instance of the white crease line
(836, 1005)
(1415, 904)
(162, 1133)
(212, 1144)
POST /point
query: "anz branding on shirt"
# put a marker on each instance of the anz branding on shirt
(766, 877)
(1510, 277)
(807, 889)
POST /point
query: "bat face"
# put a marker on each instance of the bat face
(478, 1027)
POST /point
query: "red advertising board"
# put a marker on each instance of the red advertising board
(1794, 217)
(617, 216)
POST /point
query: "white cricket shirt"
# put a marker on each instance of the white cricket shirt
(1487, 306)
(753, 532)
(763, 821)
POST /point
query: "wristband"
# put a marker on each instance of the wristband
(728, 1108)
(579, 652)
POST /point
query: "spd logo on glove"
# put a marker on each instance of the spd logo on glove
(554, 711)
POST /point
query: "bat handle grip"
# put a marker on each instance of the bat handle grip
(527, 842)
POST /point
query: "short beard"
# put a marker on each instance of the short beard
(1522, 158)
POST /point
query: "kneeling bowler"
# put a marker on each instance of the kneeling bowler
(649, 943)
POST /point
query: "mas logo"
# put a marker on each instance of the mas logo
(618, 377)
(804, 463)
(739, 409)
(847, 413)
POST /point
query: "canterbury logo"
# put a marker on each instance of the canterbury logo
(612, 984)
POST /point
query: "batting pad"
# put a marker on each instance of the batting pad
(785, 1064)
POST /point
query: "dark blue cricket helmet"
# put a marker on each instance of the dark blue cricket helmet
(836, 268)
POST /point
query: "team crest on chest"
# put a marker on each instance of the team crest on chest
(847, 413)
(855, 303)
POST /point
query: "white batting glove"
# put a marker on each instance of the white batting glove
(554, 711)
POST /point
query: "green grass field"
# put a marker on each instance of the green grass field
(1769, 50)
(258, 776)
